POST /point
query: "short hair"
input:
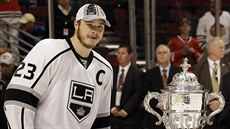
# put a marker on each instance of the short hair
(163, 45)
(211, 42)
(184, 20)
(128, 46)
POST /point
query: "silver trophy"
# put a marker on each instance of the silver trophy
(185, 102)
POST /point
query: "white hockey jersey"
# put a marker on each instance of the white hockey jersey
(52, 89)
(206, 28)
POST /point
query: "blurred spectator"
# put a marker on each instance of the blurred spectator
(210, 71)
(28, 25)
(126, 112)
(153, 82)
(64, 15)
(8, 66)
(7, 69)
(184, 45)
(203, 70)
(10, 13)
(206, 28)
(3, 122)
(4, 47)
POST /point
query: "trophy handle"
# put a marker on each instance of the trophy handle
(147, 99)
(220, 98)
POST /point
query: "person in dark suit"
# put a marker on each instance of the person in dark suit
(204, 72)
(3, 123)
(63, 18)
(225, 114)
(126, 112)
(153, 82)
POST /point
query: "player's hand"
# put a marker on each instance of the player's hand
(214, 104)
(160, 106)
(115, 112)
(191, 50)
(185, 51)
(122, 114)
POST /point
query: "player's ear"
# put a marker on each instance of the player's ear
(76, 24)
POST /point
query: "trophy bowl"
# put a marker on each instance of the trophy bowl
(185, 102)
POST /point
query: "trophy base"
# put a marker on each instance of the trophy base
(185, 120)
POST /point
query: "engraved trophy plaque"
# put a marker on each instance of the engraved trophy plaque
(184, 101)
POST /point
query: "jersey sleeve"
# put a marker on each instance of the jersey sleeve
(26, 87)
(103, 116)
(200, 33)
(176, 53)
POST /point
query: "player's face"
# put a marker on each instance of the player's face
(90, 33)
(163, 55)
(123, 56)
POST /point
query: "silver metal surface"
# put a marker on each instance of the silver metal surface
(184, 102)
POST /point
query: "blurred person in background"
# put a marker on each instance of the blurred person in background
(206, 28)
(126, 112)
(184, 46)
(28, 24)
(64, 16)
(154, 81)
(4, 47)
(8, 66)
(10, 13)
(3, 121)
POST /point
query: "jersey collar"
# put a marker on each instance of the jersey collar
(79, 57)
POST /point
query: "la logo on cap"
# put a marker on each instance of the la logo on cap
(91, 10)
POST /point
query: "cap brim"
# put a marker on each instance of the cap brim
(7, 63)
(107, 23)
(90, 18)
(23, 21)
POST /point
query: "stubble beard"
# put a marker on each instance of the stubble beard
(81, 39)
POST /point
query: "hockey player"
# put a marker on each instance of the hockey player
(63, 83)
